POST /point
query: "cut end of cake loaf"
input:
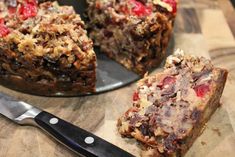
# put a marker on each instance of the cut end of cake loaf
(170, 108)
(135, 33)
(45, 49)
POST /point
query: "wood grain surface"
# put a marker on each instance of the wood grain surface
(203, 27)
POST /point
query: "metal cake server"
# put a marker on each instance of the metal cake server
(75, 138)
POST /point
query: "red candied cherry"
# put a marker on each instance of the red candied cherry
(173, 4)
(3, 29)
(28, 9)
(136, 96)
(11, 10)
(1, 21)
(140, 9)
(133, 109)
(124, 10)
(201, 90)
(167, 81)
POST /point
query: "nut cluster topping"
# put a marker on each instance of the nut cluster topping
(46, 43)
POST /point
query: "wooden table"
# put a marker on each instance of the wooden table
(203, 27)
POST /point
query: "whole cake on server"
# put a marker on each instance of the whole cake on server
(170, 108)
(135, 33)
(44, 49)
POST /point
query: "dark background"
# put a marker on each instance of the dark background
(233, 1)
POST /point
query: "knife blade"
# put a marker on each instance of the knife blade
(77, 139)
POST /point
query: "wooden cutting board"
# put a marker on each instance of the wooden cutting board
(202, 28)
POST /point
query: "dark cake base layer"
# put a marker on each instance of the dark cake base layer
(46, 89)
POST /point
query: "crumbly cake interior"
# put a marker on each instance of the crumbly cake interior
(133, 32)
(170, 105)
(45, 42)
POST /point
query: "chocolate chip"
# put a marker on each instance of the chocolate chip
(161, 9)
(143, 1)
(136, 118)
(107, 33)
(144, 128)
(170, 143)
(195, 115)
(157, 103)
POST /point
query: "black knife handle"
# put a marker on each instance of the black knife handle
(77, 139)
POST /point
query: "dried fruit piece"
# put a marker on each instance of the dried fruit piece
(136, 96)
(27, 10)
(124, 10)
(140, 9)
(1, 21)
(167, 81)
(3, 29)
(201, 90)
(173, 4)
(131, 110)
(11, 10)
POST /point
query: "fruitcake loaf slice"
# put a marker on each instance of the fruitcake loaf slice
(44, 49)
(135, 33)
(170, 108)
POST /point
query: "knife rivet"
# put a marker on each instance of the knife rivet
(89, 140)
(54, 120)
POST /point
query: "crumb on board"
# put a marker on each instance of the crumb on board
(217, 131)
(203, 143)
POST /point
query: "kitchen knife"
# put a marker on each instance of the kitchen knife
(75, 138)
